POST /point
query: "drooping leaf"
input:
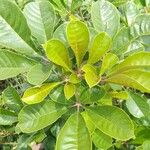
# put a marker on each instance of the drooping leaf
(141, 25)
(12, 64)
(132, 78)
(69, 90)
(14, 33)
(58, 54)
(101, 44)
(78, 38)
(38, 94)
(36, 117)
(41, 19)
(7, 117)
(90, 75)
(112, 121)
(137, 105)
(74, 135)
(135, 61)
(38, 74)
(105, 17)
(12, 99)
(101, 140)
(108, 62)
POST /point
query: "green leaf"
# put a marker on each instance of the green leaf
(101, 44)
(141, 25)
(90, 75)
(38, 94)
(105, 17)
(41, 19)
(108, 62)
(78, 38)
(101, 140)
(36, 117)
(7, 117)
(74, 135)
(12, 99)
(132, 78)
(146, 145)
(60, 33)
(90, 95)
(135, 61)
(38, 74)
(138, 105)
(123, 95)
(58, 54)
(14, 33)
(69, 90)
(112, 121)
(12, 64)
(73, 78)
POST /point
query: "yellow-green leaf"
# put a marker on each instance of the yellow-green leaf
(137, 79)
(69, 90)
(108, 62)
(101, 44)
(90, 75)
(73, 78)
(78, 37)
(57, 53)
(123, 95)
(37, 94)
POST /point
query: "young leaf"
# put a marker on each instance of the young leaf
(132, 78)
(137, 105)
(38, 74)
(73, 78)
(12, 64)
(36, 117)
(7, 117)
(101, 140)
(12, 99)
(108, 62)
(58, 54)
(78, 38)
(14, 33)
(90, 75)
(37, 94)
(74, 135)
(123, 95)
(41, 19)
(112, 121)
(101, 44)
(69, 90)
(105, 17)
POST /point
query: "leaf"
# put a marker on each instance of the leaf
(123, 95)
(74, 135)
(38, 94)
(12, 64)
(132, 78)
(108, 62)
(90, 75)
(105, 17)
(58, 54)
(138, 105)
(135, 61)
(101, 140)
(60, 33)
(112, 121)
(101, 44)
(78, 38)
(7, 117)
(14, 33)
(140, 26)
(69, 90)
(73, 78)
(90, 95)
(36, 117)
(38, 74)
(41, 19)
(121, 41)
(146, 145)
(12, 99)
